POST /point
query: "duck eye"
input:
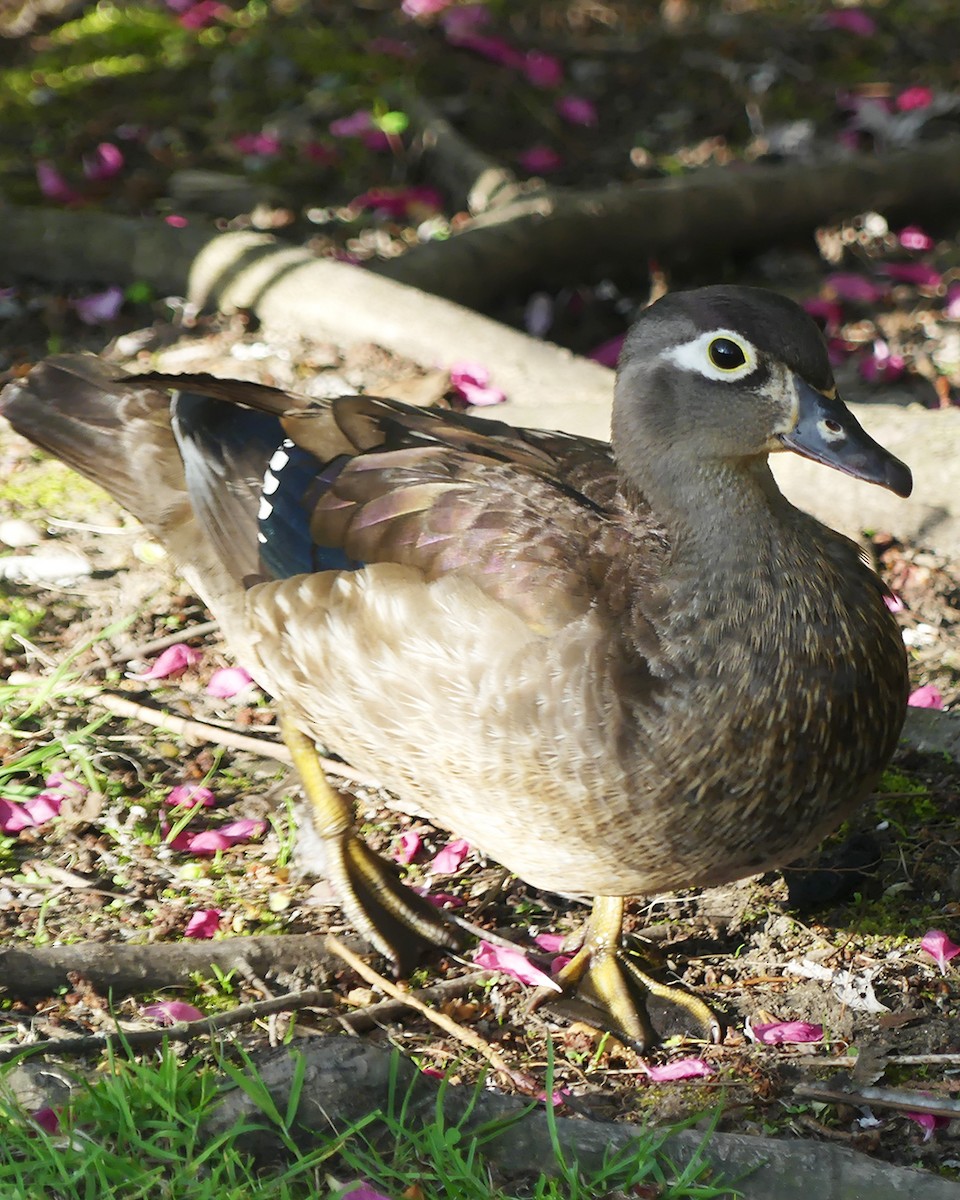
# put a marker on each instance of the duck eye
(726, 355)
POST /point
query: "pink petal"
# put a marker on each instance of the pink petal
(207, 841)
(540, 160)
(173, 661)
(204, 923)
(952, 309)
(262, 145)
(927, 696)
(375, 140)
(551, 942)
(242, 830)
(496, 49)
(928, 1122)
(168, 1012)
(577, 110)
(57, 783)
(362, 1191)
(105, 162)
(471, 382)
(190, 795)
(918, 274)
(353, 126)
(559, 963)
(847, 285)
(42, 808)
(53, 185)
(915, 97)
(202, 14)
(99, 307)
(176, 221)
(778, 1032)
(608, 353)
(14, 816)
(557, 1098)
(851, 20)
(398, 202)
(228, 681)
(513, 963)
(936, 943)
(543, 70)
(408, 847)
(440, 899)
(47, 1118)
(913, 238)
(880, 366)
(465, 18)
(423, 8)
(683, 1068)
(450, 859)
(828, 312)
(893, 602)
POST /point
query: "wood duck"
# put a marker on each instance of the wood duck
(615, 669)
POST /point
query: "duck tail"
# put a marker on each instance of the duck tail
(106, 426)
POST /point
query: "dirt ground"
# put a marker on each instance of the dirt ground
(838, 946)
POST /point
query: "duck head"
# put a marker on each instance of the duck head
(729, 375)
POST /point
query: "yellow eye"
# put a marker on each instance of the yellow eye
(726, 354)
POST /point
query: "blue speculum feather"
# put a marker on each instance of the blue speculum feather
(292, 484)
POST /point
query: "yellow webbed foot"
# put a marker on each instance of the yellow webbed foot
(397, 921)
(603, 986)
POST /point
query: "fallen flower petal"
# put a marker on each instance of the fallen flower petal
(913, 238)
(99, 307)
(423, 8)
(847, 285)
(191, 795)
(168, 1012)
(928, 1122)
(918, 274)
(608, 353)
(207, 841)
(558, 1098)
(53, 186)
(204, 923)
(683, 1068)
(42, 807)
(47, 1118)
(914, 97)
(893, 602)
(496, 49)
(471, 383)
(779, 1032)
(13, 816)
(513, 963)
(952, 308)
(202, 14)
(577, 110)
(880, 365)
(262, 145)
(173, 661)
(851, 20)
(465, 18)
(354, 125)
(540, 160)
(228, 681)
(827, 312)
(408, 847)
(105, 162)
(362, 1191)
(450, 859)
(543, 70)
(927, 696)
(936, 943)
(441, 899)
(551, 942)
(67, 789)
(242, 830)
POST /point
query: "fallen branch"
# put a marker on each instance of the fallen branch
(178, 1031)
(899, 1099)
(40, 970)
(519, 1079)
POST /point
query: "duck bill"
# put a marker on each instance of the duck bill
(829, 433)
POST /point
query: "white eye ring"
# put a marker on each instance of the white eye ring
(695, 356)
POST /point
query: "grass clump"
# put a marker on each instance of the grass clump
(136, 1131)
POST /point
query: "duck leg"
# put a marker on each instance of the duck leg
(375, 900)
(611, 989)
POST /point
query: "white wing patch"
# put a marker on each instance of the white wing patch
(694, 357)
